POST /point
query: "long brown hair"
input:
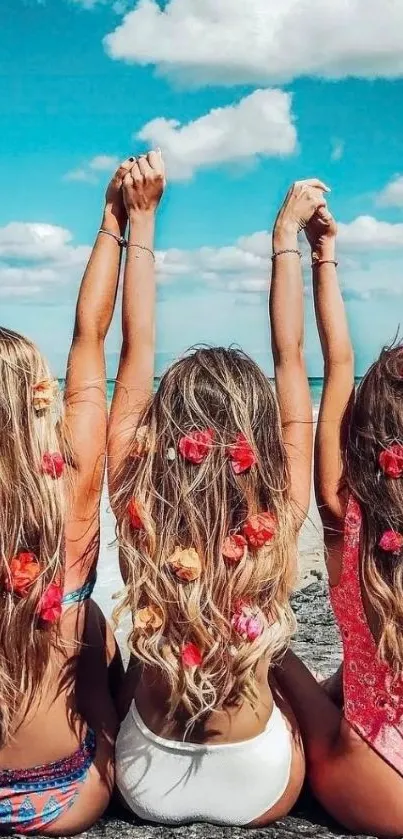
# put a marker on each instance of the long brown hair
(375, 423)
(31, 519)
(197, 506)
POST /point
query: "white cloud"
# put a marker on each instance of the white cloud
(366, 233)
(337, 150)
(88, 173)
(24, 240)
(104, 163)
(262, 41)
(41, 261)
(258, 125)
(392, 194)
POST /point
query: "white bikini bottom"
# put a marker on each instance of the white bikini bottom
(175, 782)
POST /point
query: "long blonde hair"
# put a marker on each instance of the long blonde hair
(31, 519)
(197, 506)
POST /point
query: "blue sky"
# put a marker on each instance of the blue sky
(81, 79)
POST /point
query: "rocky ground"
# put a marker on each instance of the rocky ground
(318, 644)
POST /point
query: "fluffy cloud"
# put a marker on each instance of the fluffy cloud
(41, 261)
(392, 194)
(38, 260)
(259, 124)
(261, 41)
(89, 172)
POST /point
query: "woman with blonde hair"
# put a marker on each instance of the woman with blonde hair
(57, 720)
(210, 481)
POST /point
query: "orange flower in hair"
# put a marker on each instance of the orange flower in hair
(141, 444)
(134, 515)
(53, 464)
(260, 529)
(24, 571)
(148, 619)
(191, 656)
(242, 455)
(234, 547)
(391, 461)
(44, 394)
(185, 563)
(196, 445)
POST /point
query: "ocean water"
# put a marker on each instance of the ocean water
(315, 384)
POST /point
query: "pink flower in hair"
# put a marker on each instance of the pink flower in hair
(391, 542)
(247, 623)
(241, 455)
(391, 461)
(234, 547)
(196, 445)
(53, 464)
(191, 656)
(50, 605)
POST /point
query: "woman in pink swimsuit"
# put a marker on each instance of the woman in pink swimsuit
(355, 755)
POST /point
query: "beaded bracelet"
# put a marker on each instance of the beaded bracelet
(142, 248)
(324, 262)
(119, 239)
(286, 250)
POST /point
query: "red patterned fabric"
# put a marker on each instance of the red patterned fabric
(373, 700)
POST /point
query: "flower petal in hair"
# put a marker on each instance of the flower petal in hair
(171, 454)
(248, 623)
(185, 563)
(196, 445)
(148, 619)
(191, 656)
(234, 547)
(241, 454)
(391, 542)
(134, 515)
(24, 570)
(50, 605)
(391, 461)
(141, 443)
(44, 394)
(53, 464)
(260, 529)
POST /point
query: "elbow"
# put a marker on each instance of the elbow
(289, 355)
(342, 357)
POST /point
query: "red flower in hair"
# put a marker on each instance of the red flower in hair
(196, 445)
(234, 547)
(391, 461)
(24, 571)
(134, 515)
(53, 464)
(391, 542)
(50, 605)
(260, 530)
(241, 454)
(191, 655)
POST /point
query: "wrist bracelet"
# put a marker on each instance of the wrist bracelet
(324, 262)
(286, 250)
(119, 239)
(142, 248)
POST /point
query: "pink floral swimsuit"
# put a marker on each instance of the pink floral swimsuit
(373, 701)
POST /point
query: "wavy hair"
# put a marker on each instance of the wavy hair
(188, 505)
(31, 519)
(374, 424)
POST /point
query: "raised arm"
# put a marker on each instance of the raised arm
(287, 336)
(142, 190)
(338, 389)
(85, 392)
